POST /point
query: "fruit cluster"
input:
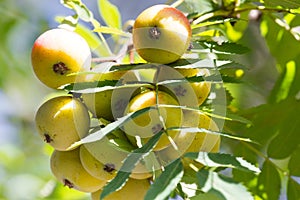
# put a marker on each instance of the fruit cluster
(161, 34)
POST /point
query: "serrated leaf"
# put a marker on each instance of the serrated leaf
(222, 160)
(200, 6)
(227, 187)
(231, 65)
(110, 13)
(293, 190)
(291, 4)
(69, 22)
(294, 163)
(130, 162)
(269, 182)
(225, 47)
(81, 10)
(166, 182)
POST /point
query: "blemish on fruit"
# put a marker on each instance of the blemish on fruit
(154, 33)
(68, 183)
(60, 68)
(155, 129)
(109, 167)
(47, 138)
(180, 91)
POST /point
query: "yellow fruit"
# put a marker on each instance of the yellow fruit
(61, 121)
(56, 54)
(133, 190)
(193, 142)
(149, 123)
(109, 104)
(94, 167)
(161, 34)
(67, 168)
(112, 157)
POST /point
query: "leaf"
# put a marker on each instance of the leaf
(110, 13)
(203, 130)
(164, 185)
(225, 47)
(200, 6)
(269, 182)
(210, 195)
(227, 187)
(291, 4)
(222, 160)
(81, 10)
(111, 30)
(294, 163)
(231, 65)
(98, 135)
(130, 162)
(293, 190)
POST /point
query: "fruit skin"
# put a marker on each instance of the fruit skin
(133, 189)
(56, 54)
(161, 34)
(67, 168)
(106, 153)
(193, 142)
(109, 103)
(61, 121)
(148, 123)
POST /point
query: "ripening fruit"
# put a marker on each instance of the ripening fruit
(56, 54)
(133, 190)
(61, 121)
(161, 34)
(67, 168)
(108, 156)
(109, 103)
(149, 123)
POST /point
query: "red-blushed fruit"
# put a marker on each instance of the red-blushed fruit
(161, 34)
(67, 168)
(61, 121)
(56, 54)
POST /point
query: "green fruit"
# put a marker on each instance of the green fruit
(56, 54)
(161, 34)
(67, 168)
(149, 123)
(61, 121)
(133, 190)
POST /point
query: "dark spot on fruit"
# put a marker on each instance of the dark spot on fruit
(109, 167)
(47, 138)
(68, 183)
(156, 128)
(154, 33)
(60, 68)
(180, 91)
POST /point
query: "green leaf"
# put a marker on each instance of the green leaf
(200, 6)
(81, 10)
(130, 162)
(227, 187)
(222, 160)
(294, 163)
(225, 47)
(110, 13)
(164, 185)
(269, 182)
(291, 4)
(111, 30)
(293, 190)
(98, 135)
(210, 195)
